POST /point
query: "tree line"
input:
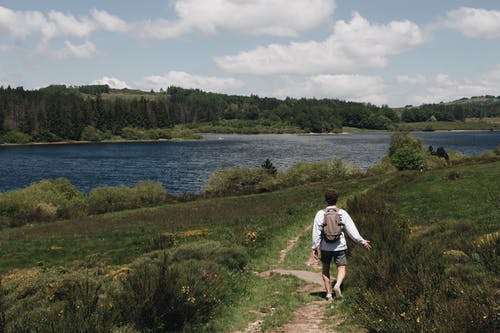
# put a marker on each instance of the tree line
(59, 112)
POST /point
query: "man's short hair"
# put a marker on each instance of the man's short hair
(331, 196)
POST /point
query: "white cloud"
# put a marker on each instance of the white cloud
(109, 22)
(186, 80)
(474, 22)
(21, 24)
(358, 88)
(277, 17)
(442, 87)
(353, 46)
(70, 50)
(66, 24)
(112, 82)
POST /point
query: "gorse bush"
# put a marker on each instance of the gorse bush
(55, 301)
(159, 295)
(43, 201)
(110, 199)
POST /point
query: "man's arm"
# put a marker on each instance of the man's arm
(316, 234)
(353, 232)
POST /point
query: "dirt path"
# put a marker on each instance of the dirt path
(309, 318)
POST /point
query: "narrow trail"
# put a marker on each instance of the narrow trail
(311, 317)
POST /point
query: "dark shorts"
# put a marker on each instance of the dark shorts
(340, 258)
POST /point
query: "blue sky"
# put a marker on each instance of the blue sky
(391, 52)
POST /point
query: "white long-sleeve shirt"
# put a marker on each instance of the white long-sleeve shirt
(341, 244)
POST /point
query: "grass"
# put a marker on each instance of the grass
(465, 193)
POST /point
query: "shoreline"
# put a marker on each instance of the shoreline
(75, 142)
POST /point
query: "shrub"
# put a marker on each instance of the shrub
(148, 193)
(158, 295)
(131, 133)
(15, 137)
(42, 201)
(488, 251)
(407, 158)
(403, 139)
(90, 133)
(55, 301)
(230, 257)
(304, 172)
(269, 167)
(46, 136)
(240, 181)
(342, 170)
(111, 199)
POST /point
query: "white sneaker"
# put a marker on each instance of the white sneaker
(329, 297)
(338, 293)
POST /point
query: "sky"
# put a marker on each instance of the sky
(384, 52)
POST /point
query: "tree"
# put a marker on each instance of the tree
(269, 167)
(405, 151)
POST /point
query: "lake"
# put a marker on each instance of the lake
(185, 167)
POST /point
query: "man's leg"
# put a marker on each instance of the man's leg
(326, 259)
(340, 279)
(328, 285)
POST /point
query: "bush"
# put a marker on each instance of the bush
(90, 133)
(230, 257)
(158, 295)
(42, 201)
(240, 181)
(407, 158)
(403, 139)
(55, 301)
(46, 136)
(15, 137)
(110, 199)
(341, 170)
(305, 172)
(488, 251)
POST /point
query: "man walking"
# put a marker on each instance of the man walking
(336, 249)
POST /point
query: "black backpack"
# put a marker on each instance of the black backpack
(332, 225)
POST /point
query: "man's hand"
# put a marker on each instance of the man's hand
(315, 254)
(367, 245)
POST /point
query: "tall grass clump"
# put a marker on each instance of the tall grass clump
(111, 199)
(411, 285)
(43, 201)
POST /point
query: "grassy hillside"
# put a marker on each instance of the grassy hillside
(432, 224)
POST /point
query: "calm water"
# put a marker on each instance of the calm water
(185, 167)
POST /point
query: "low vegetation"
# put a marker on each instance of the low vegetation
(190, 266)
